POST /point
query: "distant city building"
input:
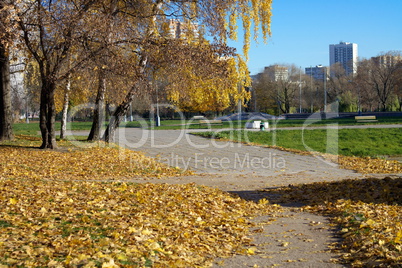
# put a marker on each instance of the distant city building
(181, 30)
(387, 60)
(346, 54)
(17, 73)
(17, 77)
(277, 72)
(317, 72)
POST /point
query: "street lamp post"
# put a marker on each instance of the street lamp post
(300, 91)
(158, 119)
(325, 90)
(311, 88)
(26, 109)
(255, 99)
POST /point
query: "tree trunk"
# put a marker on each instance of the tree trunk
(122, 109)
(119, 114)
(47, 115)
(400, 104)
(65, 109)
(6, 120)
(117, 117)
(99, 113)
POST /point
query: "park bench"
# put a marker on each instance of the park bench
(366, 118)
(257, 125)
(199, 117)
(210, 122)
(253, 124)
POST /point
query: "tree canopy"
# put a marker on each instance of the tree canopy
(63, 36)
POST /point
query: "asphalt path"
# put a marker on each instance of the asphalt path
(208, 156)
(293, 238)
(231, 166)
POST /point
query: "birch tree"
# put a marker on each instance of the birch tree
(6, 41)
(6, 131)
(137, 29)
(149, 20)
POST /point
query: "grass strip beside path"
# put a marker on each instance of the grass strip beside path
(33, 127)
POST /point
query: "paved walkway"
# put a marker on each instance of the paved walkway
(295, 238)
(207, 156)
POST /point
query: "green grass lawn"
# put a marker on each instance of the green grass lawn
(349, 142)
(33, 127)
(30, 129)
(193, 124)
(340, 121)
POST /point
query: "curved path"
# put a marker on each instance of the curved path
(295, 238)
(235, 162)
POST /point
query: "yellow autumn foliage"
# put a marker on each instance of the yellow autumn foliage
(212, 91)
(76, 207)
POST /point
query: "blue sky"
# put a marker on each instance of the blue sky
(302, 31)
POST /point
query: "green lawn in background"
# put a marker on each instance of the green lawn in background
(33, 127)
(194, 124)
(30, 129)
(349, 142)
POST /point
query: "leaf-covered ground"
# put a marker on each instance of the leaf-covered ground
(364, 165)
(99, 224)
(368, 212)
(75, 208)
(370, 165)
(88, 162)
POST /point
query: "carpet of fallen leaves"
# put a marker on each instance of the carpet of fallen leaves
(368, 165)
(106, 224)
(368, 212)
(76, 208)
(88, 162)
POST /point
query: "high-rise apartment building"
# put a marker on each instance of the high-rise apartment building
(181, 30)
(277, 72)
(317, 72)
(387, 60)
(346, 54)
